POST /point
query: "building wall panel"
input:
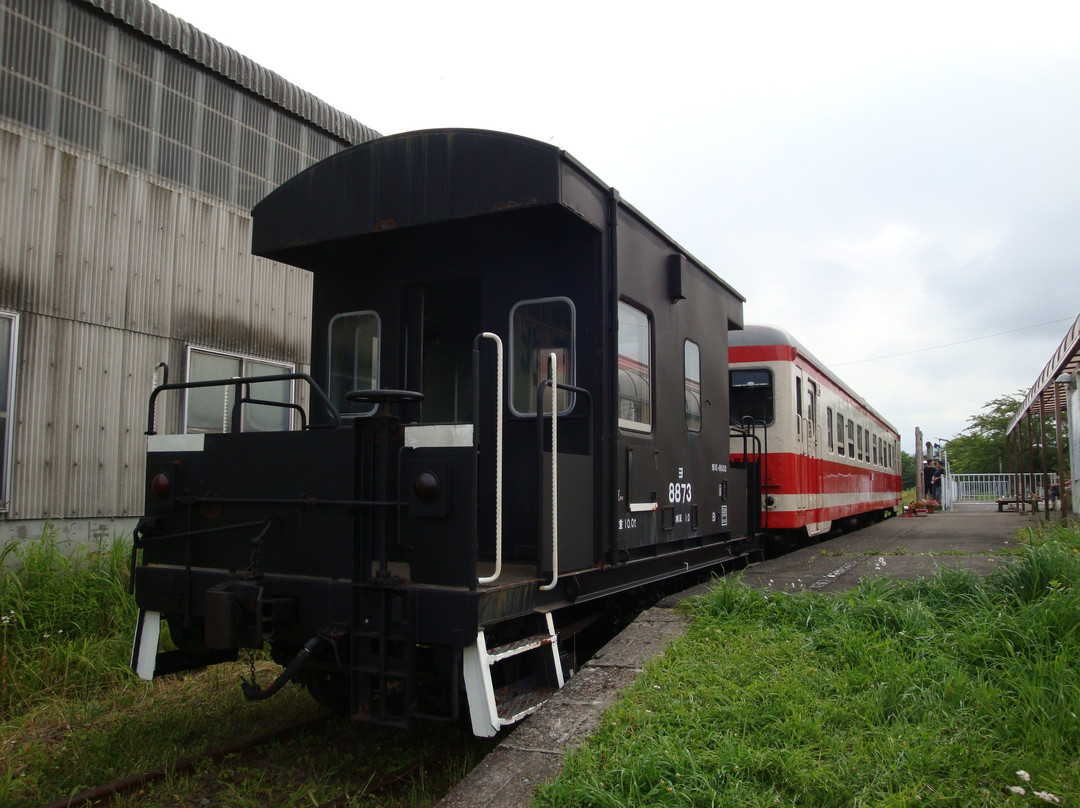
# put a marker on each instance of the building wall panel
(115, 272)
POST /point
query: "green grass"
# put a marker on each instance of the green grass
(66, 620)
(72, 715)
(931, 692)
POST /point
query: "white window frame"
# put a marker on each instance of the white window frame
(6, 462)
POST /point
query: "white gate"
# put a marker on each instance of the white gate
(989, 488)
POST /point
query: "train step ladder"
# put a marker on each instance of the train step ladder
(383, 657)
(508, 682)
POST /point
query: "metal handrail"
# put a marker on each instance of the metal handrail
(241, 400)
(498, 448)
(555, 388)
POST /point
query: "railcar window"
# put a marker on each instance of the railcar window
(539, 328)
(829, 421)
(209, 409)
(752, 395)
(354, 358)
(875, 449)
(851, 439)
(692, 385)
(635, 369)
(839, 433)
(798, 405)
(858, 440)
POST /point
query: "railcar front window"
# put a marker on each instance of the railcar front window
(635, 369)
(539, 328)
(752, 395)
(692, 385)
(354, 359)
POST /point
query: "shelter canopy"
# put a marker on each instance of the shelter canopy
(1046, 395)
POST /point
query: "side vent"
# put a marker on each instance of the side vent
(676, 269)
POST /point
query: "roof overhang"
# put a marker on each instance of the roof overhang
(1048, 395)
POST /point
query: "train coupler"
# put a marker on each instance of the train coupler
(242, 614)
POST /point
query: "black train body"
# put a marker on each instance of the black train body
(364, 544)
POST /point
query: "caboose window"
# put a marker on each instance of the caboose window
(635, 369)
(692, 385)
(752, 395)
(539, 328)
(209, 409)
(354, 359)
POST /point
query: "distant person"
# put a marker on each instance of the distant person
(936, 477)
(1055, 493)
(928, 478)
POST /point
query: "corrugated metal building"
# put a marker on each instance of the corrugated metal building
(132, 148)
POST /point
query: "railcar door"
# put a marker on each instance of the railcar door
(802, 450)
(815, 467)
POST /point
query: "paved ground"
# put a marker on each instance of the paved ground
(976, 537)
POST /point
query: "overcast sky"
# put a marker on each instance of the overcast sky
(894, 183)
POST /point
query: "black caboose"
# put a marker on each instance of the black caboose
(479, 298)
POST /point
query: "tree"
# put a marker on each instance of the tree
(907, 470)
(980, 448)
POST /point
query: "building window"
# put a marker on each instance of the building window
(209, 409)
(354, 359)
(8, 346)
(692, 385)
(635, 369)
(752, 395)
(539, 328)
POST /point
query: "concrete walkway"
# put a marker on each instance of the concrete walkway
(973, 536)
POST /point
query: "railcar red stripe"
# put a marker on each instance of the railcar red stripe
(760, 353)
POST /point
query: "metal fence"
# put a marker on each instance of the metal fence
(989, 488)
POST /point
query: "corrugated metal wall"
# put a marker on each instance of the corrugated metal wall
(131, 147)
(112, 272)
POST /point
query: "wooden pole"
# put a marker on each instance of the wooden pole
(1059, 413)
(920, 485)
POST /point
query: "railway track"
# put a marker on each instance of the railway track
(195, 779)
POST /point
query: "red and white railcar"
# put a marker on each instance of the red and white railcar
(831, 460)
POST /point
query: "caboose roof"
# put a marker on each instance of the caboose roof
(413, 179)
(425, 177)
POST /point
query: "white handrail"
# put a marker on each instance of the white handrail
(498, 456)
(554, 475)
